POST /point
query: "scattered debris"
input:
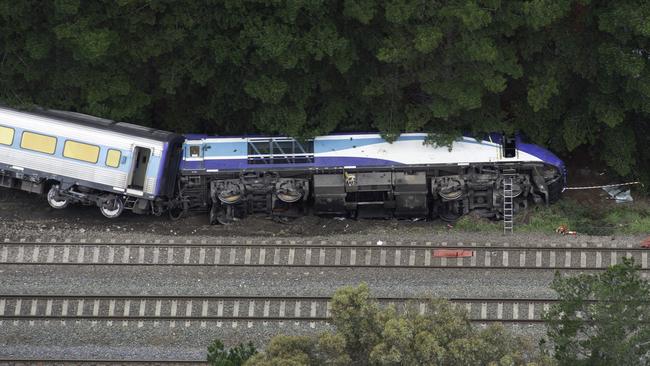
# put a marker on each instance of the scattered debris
(379, 242)
(646, 243)
(452, 253)
(564, 230)
(339, 218)
(621, 195)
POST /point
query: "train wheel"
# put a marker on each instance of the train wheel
(448, 212)
(224, 219)
(54, 201)
(221, 214)
(112, 208)
(176, 213)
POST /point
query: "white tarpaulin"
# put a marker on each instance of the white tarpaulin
(620, 194)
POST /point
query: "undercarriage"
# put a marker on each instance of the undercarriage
(444, 192)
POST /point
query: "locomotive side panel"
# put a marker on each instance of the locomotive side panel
(363, 176)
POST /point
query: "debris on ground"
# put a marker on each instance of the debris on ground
(379, 242)
(620, 194)
(646, 243)
(564, 230)
(452, 253)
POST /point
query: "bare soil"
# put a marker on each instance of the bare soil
(24, 212)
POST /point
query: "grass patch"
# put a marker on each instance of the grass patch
(632, 219)
(606, 219)
(581, 218)
(473, 223)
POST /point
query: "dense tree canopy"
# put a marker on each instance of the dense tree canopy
(367, 335)
(601, 319)
(569, 74)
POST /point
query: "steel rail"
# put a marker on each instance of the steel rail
(239, 308)
(258, 297)
(72, 361)
(226, 318)
(284, 265)
(321, 246)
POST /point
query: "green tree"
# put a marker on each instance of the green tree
(586, 67)
(571, 74)
(218, 355)
(601, 319)
(367, 335)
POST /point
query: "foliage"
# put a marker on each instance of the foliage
(218, 355)
(368, 335)
(570, 74)
(605, 219)
(601, 319)
(475, 223)
(630, 219)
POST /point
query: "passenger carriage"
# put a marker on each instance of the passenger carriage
(76, 158)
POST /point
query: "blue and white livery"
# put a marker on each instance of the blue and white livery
(363, 174)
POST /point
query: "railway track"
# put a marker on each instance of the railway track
(323, 254)
(203, 310)
(96, 362)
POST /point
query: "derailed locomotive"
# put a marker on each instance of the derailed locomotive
(75, 158)
(362, 175)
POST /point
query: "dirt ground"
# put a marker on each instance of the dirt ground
(32, 213)
(584, 172)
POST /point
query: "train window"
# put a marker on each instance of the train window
(113, 158)
(195, 151)
(6, 135)
(37, 142)
(80, 151)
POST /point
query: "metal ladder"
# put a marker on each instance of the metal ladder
(508, 201)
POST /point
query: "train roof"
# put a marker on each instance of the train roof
(102, 124)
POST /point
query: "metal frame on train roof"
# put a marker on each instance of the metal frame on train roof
(277, 154)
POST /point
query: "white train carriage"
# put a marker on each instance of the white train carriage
(76, 158)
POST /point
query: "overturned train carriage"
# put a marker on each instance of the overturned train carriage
(362, 175)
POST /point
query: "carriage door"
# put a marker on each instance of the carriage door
(141, 156)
